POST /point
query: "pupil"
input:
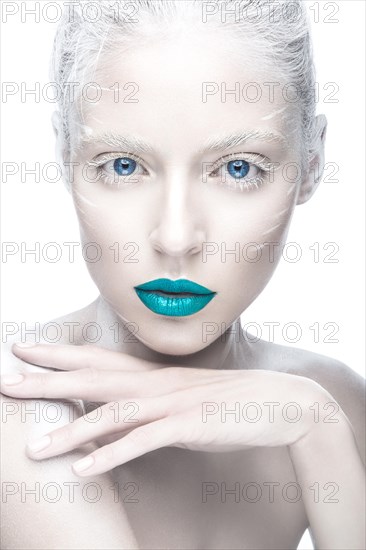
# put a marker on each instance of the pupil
(238, 168)
(124, 166)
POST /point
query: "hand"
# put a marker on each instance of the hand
(149, 406)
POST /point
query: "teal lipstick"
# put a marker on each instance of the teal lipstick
(174, 298)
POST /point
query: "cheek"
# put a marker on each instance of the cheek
(106, 217)
(108, 237)
(250, 238)
(254, 218)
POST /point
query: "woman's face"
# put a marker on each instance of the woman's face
(184, 210)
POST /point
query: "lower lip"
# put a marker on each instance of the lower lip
(178, 305)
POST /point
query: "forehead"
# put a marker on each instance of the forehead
(187, 87)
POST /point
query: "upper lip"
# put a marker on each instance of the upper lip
(178, 286)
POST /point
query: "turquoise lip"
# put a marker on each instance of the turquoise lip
(189, 297)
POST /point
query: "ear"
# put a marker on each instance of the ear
(315, 170)
(60, 150)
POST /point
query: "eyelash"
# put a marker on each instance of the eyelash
(259, 161)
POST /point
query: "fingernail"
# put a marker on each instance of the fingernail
(83, 464)
(25, 344)
(10, 379)
(39, 444)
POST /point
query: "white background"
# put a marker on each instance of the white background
(305, 292)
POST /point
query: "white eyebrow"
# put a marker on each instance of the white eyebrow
(136, 144)
(130, 143)
(222, 143)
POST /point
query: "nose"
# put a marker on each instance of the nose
(179, 229)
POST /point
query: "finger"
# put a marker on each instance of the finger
(111, 419)
(93, 384)
(72, 357)
(89, 384)
(142, 440)
(111, 438)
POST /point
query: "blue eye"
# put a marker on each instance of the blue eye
(124, 166)
(238, 168)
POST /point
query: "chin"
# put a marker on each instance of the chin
(180, 345)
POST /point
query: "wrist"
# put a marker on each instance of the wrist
(322, 435)
(325, 422)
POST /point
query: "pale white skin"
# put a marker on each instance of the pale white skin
(170, 213)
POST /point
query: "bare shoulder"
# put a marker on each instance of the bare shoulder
(346, 386)
(25, 481)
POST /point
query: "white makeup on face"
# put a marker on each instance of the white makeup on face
(174, 208)
(273, 114)
(82, 198)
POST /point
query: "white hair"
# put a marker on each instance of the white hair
(280, 36)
